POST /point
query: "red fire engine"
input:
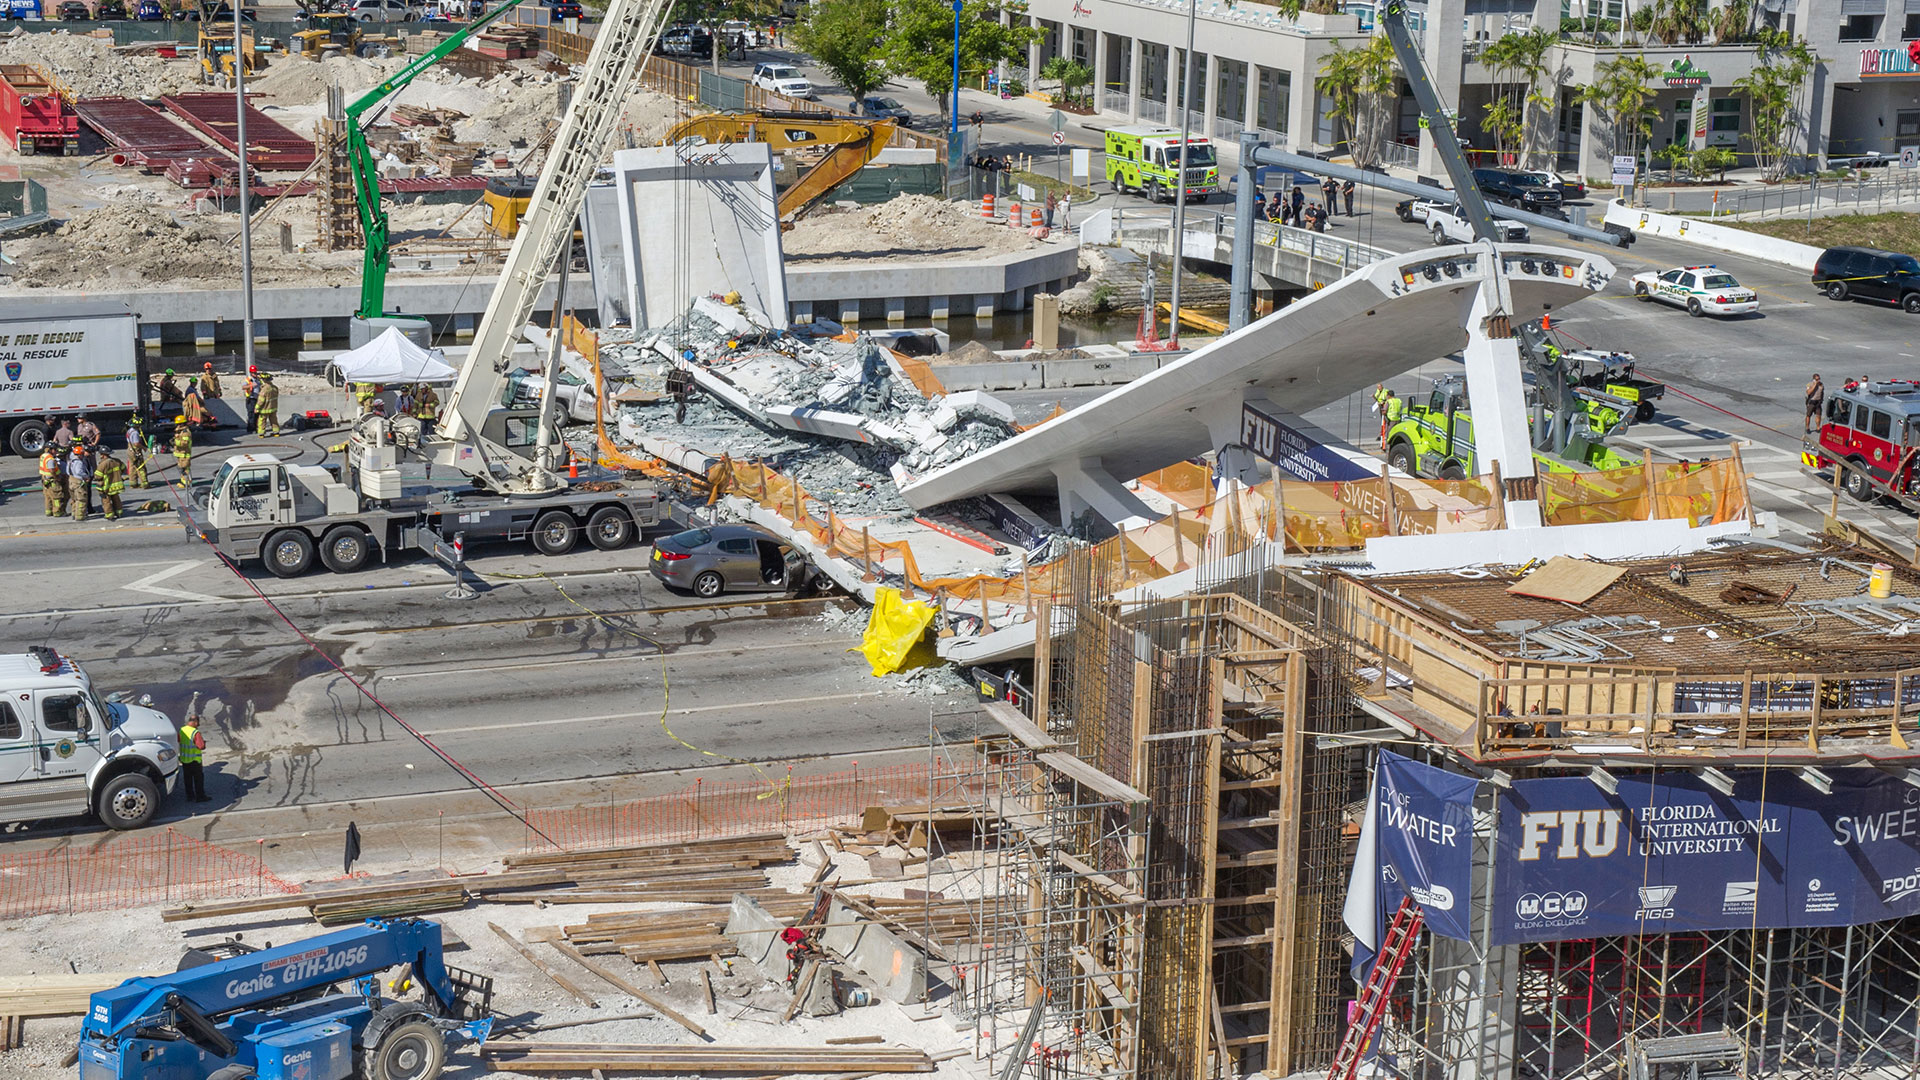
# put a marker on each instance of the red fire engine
(1875, 428)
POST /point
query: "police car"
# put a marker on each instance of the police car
(1702, 290)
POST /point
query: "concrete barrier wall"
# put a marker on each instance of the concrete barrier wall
(1716, 237)
(1048, 374)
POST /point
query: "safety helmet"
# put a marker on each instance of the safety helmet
(169, 371)
(251, 370)
(208, 365)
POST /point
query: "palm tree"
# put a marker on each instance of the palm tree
(1776, 95)
(1358, 81)
(1623, 90)
(1518, 62)
(1733, 22)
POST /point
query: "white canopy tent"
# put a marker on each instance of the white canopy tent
(392, 359)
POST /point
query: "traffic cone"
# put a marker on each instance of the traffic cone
(573, 467)
(986, 206)
(1033, 217)
(1013, 214)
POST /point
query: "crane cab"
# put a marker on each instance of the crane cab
(260, 490)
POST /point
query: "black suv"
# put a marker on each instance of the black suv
(75, 11)
(1517, 189)
(1869, 274)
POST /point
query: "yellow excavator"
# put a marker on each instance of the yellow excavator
(327, 32)
(838, 147)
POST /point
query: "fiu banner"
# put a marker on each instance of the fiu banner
(1423, 822)
(1671, 854)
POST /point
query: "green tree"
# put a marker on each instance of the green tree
(919, 42)
(1678, 22)
(1071, 74)
(1292, 8)
(1622, 92)
(714, 14)
(1712, 159)
(1359, 81)
(1671, 155)
(1733, 22)
(846, 38)
(1776, 92)
(1518, 63)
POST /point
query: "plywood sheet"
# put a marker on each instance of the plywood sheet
(1570, 580)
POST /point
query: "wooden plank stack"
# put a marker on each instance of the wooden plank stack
(58, 994)
(587, 1058)
(706, 872)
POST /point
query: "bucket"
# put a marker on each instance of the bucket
(1880, 582)
(859, 997)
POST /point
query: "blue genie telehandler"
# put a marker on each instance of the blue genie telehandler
(276, 1014)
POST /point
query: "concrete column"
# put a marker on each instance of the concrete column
(1500, 434)
(1303, 100)
(800, 311)
(850, 312)
(1087, 486)
(1445, 63)
(939, 308)
(464, 326)
(1240, 298)
(985, 304)
(1133, 79)
(896, 310)
(1099, 70)
(1033, 52)
(1588, 152)
(150, 336)
(1250, 110)
(1209, 99)
(312, 331)
(262, 331)
(203, 334)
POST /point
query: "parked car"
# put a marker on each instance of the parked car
(74, 11)
(1570, 190)
(110, 9)
(1702, 290)
(566, 9)
(1847, 273)
(686, 41)
(715, 559)
(1448, 225)
(1515, 189)
(22, 9)
(149, 11)
(1416, 209)
(382, 10)
(882, 108)
(782, 79)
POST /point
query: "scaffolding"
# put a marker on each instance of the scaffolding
(339, 228)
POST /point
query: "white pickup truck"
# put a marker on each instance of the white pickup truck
(1443, 220)
(65, 751)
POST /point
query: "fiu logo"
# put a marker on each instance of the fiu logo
(1593, 833)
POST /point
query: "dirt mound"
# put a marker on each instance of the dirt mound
(293, 80)
(92, 67)
(127, 244)
(905, 225)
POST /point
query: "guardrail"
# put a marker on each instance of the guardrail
(1891, 188)
(1209, 228)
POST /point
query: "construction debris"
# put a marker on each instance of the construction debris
(585, 1058)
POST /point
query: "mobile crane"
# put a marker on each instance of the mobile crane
(371, 318)
(497, 433)
(850, 145)
(272, 1013)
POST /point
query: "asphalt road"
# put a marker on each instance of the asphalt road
(522, 684)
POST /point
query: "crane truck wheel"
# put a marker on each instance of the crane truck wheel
(127, 801)
(401, 1043)
(1401, 458)
(288, 553)
(1452, 471)
(610, 528)
(344, 549)
(554, 533)
(232, 1072)
(29, 437)
(1643, 412)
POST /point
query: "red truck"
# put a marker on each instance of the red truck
(37, 114)
(1875, 428)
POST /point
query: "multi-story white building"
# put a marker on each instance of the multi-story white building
(1256, 69)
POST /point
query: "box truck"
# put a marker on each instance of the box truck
(66, 361)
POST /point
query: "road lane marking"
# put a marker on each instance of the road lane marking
(653, 713)
(150, 583)
(116, 566)
(1780, 474)
(591, 660)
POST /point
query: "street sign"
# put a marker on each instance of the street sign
(1082, 162)
(1059, 121)
(1623, 169)
(1910, 157)
(1059, 138)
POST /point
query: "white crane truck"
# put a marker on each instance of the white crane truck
(510, 485)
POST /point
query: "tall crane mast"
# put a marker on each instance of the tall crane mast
(586, 132)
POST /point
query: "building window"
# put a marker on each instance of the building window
(1860, 28)
(1912, 28)
(1726, 115)
(1230, 91)
(1275, 101)
(1906, 124)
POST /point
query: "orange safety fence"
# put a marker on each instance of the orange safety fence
(127, 871)
(711, 811)
(1700, 492)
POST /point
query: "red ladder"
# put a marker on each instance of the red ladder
(1371, 1006)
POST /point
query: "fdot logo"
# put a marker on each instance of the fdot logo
(1551, 906)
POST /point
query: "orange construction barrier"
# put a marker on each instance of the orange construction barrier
(1033, 219)
(986, 206)
(1013, 214)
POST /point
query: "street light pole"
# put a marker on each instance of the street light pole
(1180, 179)
(953, 136)
(246, 193)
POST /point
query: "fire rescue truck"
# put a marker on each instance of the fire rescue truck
(1874, 428)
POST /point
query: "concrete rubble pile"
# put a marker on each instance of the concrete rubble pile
(841, 416)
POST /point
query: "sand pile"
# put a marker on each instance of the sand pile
(513, 107)
(91, 67)
(130, 244)
(292, 80)
(907, 225)
(649, 114)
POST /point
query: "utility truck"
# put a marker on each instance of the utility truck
(498, 439)
(66, 361)
(64, 750)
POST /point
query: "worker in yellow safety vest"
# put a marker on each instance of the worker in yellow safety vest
(364, 393)
(1380, 395)
(192, 746)
(426, 409)
(53, 481)
(183, 449)
(137, 454)
(266, 407)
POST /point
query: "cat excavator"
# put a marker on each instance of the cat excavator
(838, 146)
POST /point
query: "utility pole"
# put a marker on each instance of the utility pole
(1180, 178)
(246, 192)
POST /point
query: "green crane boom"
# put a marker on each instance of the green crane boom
(366, 176)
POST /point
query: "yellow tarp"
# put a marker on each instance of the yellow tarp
(893, 631)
